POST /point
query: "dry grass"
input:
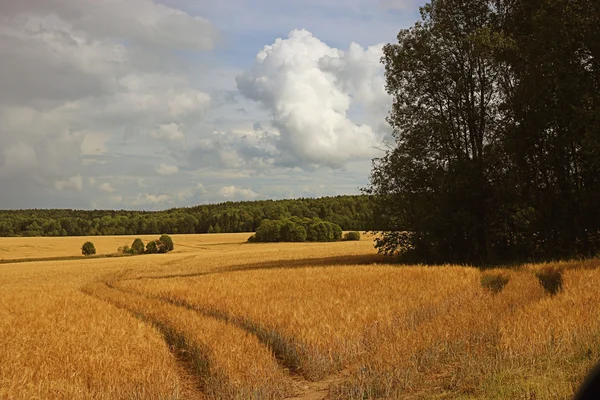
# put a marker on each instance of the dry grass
(66, 345)
(206, 320)
(410, 331)
(217, 352)
(42, 247)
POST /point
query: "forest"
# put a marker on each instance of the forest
(349, 212)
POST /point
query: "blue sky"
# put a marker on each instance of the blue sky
(150, 105)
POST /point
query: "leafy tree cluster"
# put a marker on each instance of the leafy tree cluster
(296, 229)
(350, 212)
(496, 120)
(163, 245)
(137, 247)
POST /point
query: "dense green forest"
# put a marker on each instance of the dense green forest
(349, 212)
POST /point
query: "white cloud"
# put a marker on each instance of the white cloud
(142, 22)
(94, 144)
(170, 132)
(166, 170)
(110, 89)
(309, 88)
(106, 187)
(74, 182)
(233, 192)
(82, 80)
(143, 199)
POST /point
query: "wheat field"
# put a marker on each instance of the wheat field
(222, 319)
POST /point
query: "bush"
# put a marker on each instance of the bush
(88, 249)
(125, 250)
(494, 282)
(551, 279)
(137, 247)
(151, 247)
(352, 235)
(165, 244)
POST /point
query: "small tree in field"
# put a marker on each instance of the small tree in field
(352, 235)
(88, 249)
(165, 244)
(138, 246)
(151, 247)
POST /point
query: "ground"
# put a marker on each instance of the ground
(221, 318)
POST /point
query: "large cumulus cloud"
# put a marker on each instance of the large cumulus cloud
(311, 89)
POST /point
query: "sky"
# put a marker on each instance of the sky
(149, 105)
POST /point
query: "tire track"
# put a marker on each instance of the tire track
(283, 348)
(186, 358)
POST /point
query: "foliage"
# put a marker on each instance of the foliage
(137, 247)
(354, 235)
(88, 249)
(165, 244)
(496, 154)
(152, 247)
(349, 212)
(494, 282)
(162, 245)
(125, 250)
(296, 230)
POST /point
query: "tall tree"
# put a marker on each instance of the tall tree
(434, 183)
(497, 126)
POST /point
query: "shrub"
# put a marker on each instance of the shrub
(298, 234)
(494, 282)
(165, 244)
(137, 247)
(125, 250)
(551, 279)
(337, 232)
(151, 247)
(352, 235)
(252, 239)
(88, 249)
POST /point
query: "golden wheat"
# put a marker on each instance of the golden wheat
(203, 322)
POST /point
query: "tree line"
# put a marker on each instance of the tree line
(349, 212)
(496, 120)
(296, 229)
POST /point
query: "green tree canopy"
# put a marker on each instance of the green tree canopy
(496, 153)
(88, 249)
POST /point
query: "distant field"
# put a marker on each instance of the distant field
(220, 318)
(43, 247)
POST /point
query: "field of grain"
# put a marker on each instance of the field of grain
(220, 318)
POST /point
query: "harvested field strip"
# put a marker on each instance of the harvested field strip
(217, 351)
